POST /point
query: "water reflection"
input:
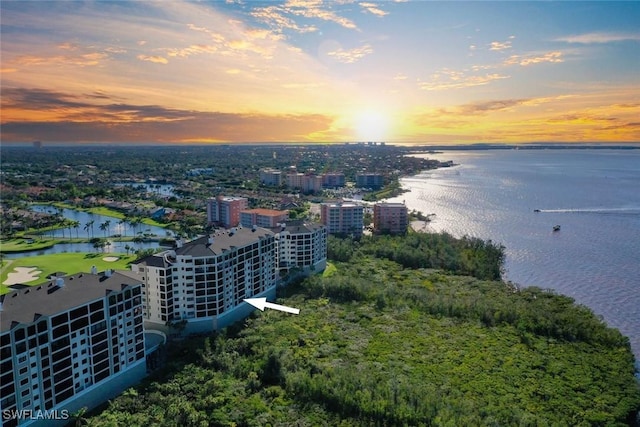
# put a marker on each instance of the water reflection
(89, 225)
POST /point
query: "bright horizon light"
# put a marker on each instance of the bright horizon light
(372, 126)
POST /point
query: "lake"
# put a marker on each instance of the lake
(592, 194)
(115, 225)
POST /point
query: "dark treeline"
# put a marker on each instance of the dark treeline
(380, 344)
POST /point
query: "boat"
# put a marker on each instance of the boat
(556, 228)
(536, 210)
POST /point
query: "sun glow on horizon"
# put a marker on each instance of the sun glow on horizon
(371, 125)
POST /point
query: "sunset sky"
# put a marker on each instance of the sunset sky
(314, 71)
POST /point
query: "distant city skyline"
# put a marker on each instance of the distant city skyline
(308, 71)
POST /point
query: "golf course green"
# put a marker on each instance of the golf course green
(69, 263)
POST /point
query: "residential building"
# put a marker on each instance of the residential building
(74, 342)
(390, 218)
(205, 281)
(307, 183)
(342, 217)
(374, 181)
(333, 180)
(224, 211)
(301, 245)
(265, 218)
(271, 177)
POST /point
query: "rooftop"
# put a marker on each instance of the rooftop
(265, 212)
(299, 227)
(223, 240)
(47, 299)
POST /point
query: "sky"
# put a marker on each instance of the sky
(406, 72)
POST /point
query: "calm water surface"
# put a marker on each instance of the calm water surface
(594, 195)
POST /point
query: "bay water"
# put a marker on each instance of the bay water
(592, 194)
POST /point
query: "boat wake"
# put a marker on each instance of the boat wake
(604, 211)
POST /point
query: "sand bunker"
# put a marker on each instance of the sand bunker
(22, 275)
(110, 258)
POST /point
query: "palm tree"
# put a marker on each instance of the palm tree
(76, 224)
(105, 227)
(127, 248)
(90, 226)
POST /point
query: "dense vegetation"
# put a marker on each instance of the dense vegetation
(379, 343)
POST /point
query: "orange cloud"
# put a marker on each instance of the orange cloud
(153, 58)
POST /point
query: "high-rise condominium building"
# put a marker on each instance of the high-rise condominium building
(74, 342)
(301, 245)
(342, 217)
(271, 177)
(206, 280)
(390, 218)
(224, 211)
(374, 181)
(262, 217)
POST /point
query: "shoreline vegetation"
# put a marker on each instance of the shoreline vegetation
(412, 330)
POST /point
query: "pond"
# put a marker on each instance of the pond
(90, 225)
(114, 247)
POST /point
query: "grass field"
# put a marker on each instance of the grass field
(69, 263)
(24, 245)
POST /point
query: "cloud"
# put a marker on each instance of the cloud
(82, 60)
(82, 121)
(315, 9)
(352, 55)
(153, 58)
(596, 37)
(373, 9)
(500, 46)
(275, 17)
(280, 17)
(526, 60)
(458, 80)
(190, 50)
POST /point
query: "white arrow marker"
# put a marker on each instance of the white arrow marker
(261, 304)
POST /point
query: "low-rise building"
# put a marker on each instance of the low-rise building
(74, 342)
(390, 218)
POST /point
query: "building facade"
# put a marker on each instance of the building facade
(205, 281)
(224, 211)
(333, 180)
(301, 245)
(265, 218)
(374, 181)
(271, 177)
(307, 183)
(342, 217)
(390, 218)
(74, 342)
